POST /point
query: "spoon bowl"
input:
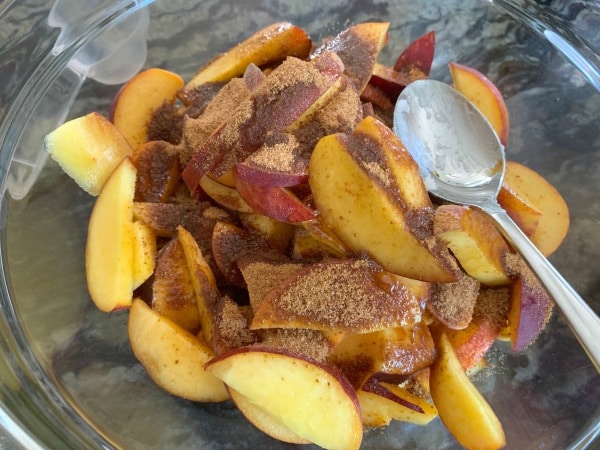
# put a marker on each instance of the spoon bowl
(458, 152)
(462, 161)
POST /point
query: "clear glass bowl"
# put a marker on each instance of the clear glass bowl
(68, 377)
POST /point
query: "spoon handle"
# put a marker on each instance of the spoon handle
(582, 320)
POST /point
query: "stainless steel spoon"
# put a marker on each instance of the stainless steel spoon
(462, 161)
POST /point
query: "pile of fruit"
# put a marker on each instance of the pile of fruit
(275, 244)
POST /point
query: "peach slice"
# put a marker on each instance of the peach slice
(461, 407)
(275, 202)
(453, 303)
(325, 237)
(474, 240)
(416, 59)
(298, 85)
(196, 131)
(305, 247)
(137, 100)
(531, 306)
(203, 283)
(391, 82)
(489, 318)
(265, 176)
(368, 191)
(382, 402)
(396, 351)
(173, 358)
(265, 422)
(109, 248)
(553, 221)
(173, 295)
(232, 326)
(224, 195)
(263, 276)
(157, 164)
(358, 47)
(144, 256)
(298, 392)
(88, 149)
(520, 209)
(377, 97)
(269, 45)
(278, 234)
(356, 301)
(230, 244)
(480, 91)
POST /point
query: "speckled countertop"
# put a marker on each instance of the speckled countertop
(554, 128)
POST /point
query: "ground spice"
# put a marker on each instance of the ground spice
(337, 295)
(453, 303)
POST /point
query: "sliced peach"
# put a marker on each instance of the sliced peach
(453, 303)
(391, 82)
(275, 202)
(531, 306)
(203, 283)
(356, 302)
(382, 402)
(325, 237)
(484, 95)
(110, 241)
(157, 164)
(298, 392)
(298, 85)
(269, 45)
(144, 253)
(397, 351)
(173, 358)
(553, 221)
(265, 422)
(232, 326)
(520, 209)
(474, 241)
(489, 318)
(173, 294)
(416, 59)
(368, 191)
(278, 234)
(224, 195)
(88, 149)
(231, 243)
(461, 407)
(253, 173)
(137, 100)
(305, 247)
(358, 47)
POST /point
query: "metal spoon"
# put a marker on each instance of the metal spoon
(462, 161)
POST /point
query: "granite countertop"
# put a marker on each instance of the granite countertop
(89, 353)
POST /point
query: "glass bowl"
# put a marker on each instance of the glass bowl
(68, 378)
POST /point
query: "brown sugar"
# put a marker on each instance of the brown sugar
(453, 303)
(309, 343)
(341, 295)
(282, 97)
(232, 330)
(280, 155)
(261, 277)
(166, 124)
(494, 304)
(197, 130)
(340, 114)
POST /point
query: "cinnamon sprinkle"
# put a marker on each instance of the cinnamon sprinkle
(337, 295)
(279, 156)
(453, 303)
